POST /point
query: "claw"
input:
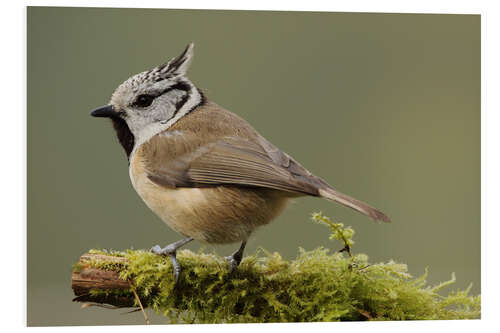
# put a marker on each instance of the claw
(235, 258)
(156, 249)
(171, 251)
(233, 263)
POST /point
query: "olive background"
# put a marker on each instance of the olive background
(385, 107)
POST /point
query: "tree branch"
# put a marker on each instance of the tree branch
(87, 279)
(317, 286)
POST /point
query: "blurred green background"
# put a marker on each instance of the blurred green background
(385, 107)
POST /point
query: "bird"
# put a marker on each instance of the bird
(203, 170)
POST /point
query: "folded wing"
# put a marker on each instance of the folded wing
(257, 163)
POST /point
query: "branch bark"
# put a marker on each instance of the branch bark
(85, 278)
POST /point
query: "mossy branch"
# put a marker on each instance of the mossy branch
(316, 286)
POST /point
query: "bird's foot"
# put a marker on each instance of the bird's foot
(171, 251)
(235, 258)
(233, 263)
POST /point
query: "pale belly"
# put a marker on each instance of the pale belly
(212, 214)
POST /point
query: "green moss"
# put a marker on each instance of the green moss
(77, 267)
(316, 286)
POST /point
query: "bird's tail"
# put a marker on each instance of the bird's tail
(332, 195)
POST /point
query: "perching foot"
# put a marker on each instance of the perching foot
(235, 258)
(171, 251)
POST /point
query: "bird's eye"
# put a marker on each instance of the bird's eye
(144, 100)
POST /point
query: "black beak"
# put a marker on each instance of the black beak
(107, 111)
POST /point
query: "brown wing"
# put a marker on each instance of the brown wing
(230, 161)
(241, 162)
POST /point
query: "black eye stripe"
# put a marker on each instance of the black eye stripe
(141, 102)
(178, 86)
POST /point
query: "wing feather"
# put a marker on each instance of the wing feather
(225, 161)
(241, 162)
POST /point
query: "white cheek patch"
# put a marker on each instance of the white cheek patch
(144, 133)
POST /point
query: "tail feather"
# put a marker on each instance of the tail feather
(332, 195)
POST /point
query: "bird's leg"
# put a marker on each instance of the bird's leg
(171, 251)
(235, 258)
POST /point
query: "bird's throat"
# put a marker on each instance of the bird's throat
(124, 134)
